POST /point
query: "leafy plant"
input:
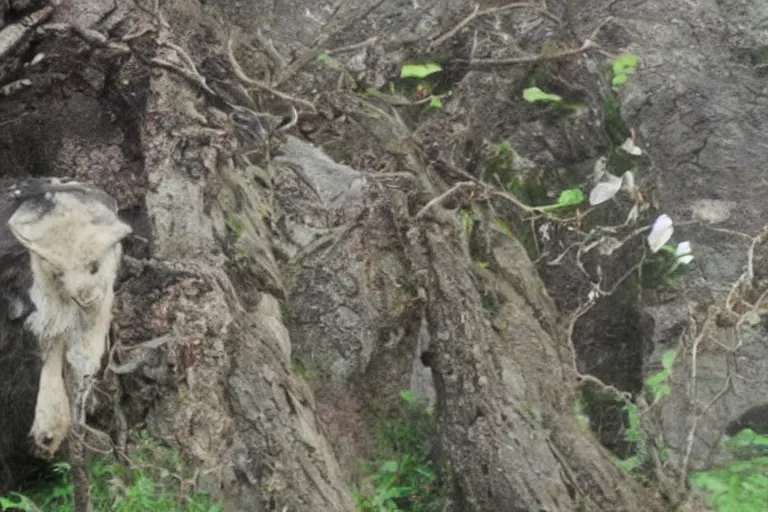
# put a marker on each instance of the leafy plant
(568, 197)
(668, 262)
(657, 385)
(657, 389)
(622, 67)
(633, 434)
(419, 70)
(155, 482)
(404, 478)
(534, 94)
(740, 485)
(413, 88)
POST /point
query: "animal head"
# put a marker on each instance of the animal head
(73, 235)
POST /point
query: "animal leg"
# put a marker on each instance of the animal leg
(53, 411)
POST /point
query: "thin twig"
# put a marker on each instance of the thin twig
(293, 122)
(192, 77)
(269, 49)
(448, 35)
(429, 99)
(694, 426)
(751, 255)
(695, 349)
(489, 63)
(515, 201)
(477, 13)
(445, 195)
(261, 85)
(352, 47)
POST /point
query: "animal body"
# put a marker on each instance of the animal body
(60, 243)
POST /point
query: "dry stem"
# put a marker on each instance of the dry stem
(261, 85)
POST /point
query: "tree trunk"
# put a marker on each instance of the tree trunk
(231, 249)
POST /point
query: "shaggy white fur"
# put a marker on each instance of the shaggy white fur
(73, 238)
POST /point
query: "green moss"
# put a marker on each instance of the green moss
(529, 190)
(490, 304)
(501, 164)
(759, 55)
(236, 225)
(302, 368)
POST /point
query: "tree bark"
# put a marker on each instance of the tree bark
(505, 389)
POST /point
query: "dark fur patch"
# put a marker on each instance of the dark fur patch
(20, 365)
(20, 362)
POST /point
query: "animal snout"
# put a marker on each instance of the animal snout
(87, 297)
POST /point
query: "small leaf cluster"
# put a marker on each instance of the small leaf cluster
(739, 485)
(656, 388)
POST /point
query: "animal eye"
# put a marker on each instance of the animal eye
(93, 267)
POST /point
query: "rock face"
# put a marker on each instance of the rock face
(699, 108)
(257, 252)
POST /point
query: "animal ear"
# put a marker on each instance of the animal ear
(29, 225)
(68, 220)
(105, 235)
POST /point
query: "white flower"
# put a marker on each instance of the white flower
(628, 182)
(661, 232)
(605, 190)
(609, 185)
(630, 147)
(683, 253)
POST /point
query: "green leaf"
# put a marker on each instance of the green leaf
(655, 381)
(436, 103)
(668, 359)
(419, 70)
(407, 396)
(619, 80)
(323, 57)
(570, 197)
(467, 220)
(389, 466)
(624, 64)
(630, 464)
(705, 480)
(749, 438)
(669, 249)
(662, 391)
(501, 226)
(534, 94)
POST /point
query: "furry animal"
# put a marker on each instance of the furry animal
(72, 234)
(20, 365)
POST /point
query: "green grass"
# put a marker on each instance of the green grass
(154, 481)
(403, 477)
(740, 485)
